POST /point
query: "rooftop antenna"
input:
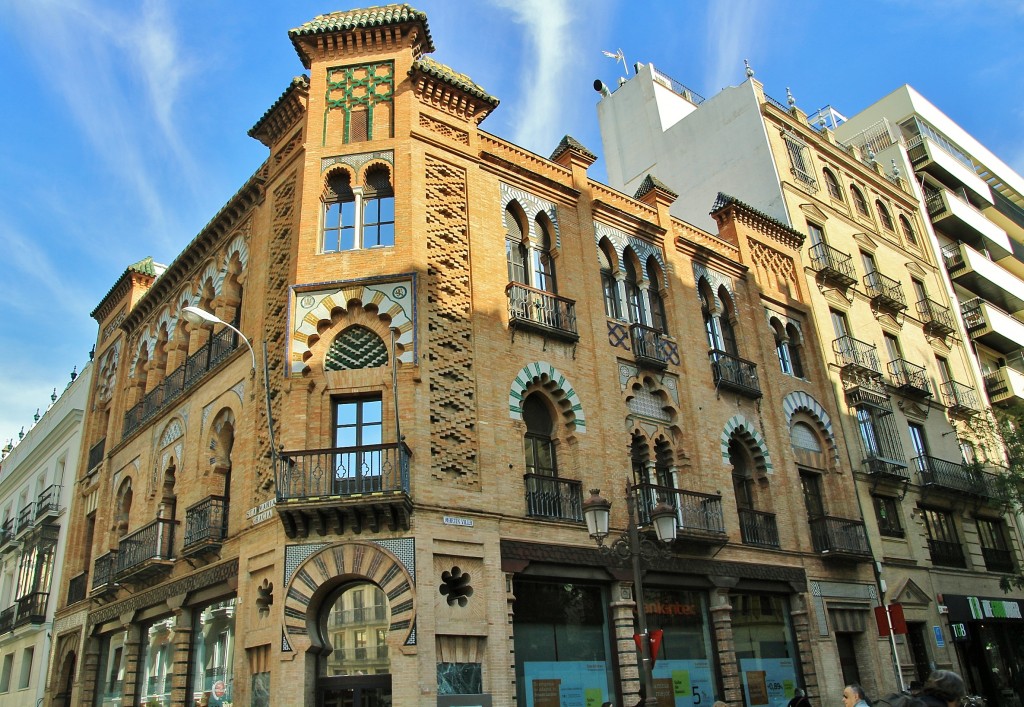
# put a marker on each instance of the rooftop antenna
(618, 56)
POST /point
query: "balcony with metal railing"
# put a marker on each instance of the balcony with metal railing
(885, 292)
(8, 539)
(699, 516)
(48, 504)
(26, 515)
(909, 378)
(553, 498)
(998, 560)
(344, 488)
(1005, 385)
(758, 528)
(959, 398)
(31, 609)
(885, 468)
(78, 587)
(833, 265)
(840, 539)
(104, 569)
(856, 355)
(217, 349)
(146, 553)
(205, 526)
(734, 373)
(946, 554)
(991, 326)
(96, 453)
(937, 318)
(7, 619)
(648, 346)
(542, 312)
(677, 88)
(949, 476)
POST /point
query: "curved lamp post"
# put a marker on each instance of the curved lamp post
(200, 317)
(631, 547)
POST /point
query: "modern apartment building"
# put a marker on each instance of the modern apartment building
(454, 340)
(37, 477)
(898, 359)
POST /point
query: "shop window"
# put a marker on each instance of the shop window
(561, 642)
(212, 655)
(859, 202)
(157, 662)
(832, 184)
(888, 516)
(686, 645)
(764, 646)
(110, 687)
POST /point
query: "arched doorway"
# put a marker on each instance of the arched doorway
(354, 668)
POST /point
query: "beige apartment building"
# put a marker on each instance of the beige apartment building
(455, 340)
(898, 359)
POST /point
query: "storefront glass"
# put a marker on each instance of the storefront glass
(765, 649)
(110, 685)
(684, 671)
(561, 644)
(213, 649)
(157, 663)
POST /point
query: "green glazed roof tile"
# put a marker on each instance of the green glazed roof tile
(452, 77)
(355, 19)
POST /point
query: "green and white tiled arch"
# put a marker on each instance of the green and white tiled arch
(541, 372)
(799, 400)
(742, 424)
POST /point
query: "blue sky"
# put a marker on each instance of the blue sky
(123, 129)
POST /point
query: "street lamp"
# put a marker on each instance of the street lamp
(631, 547)
(200, 317)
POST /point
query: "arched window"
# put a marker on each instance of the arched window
(859, 202)
(358, 216)
(711, 323)
(884, 216)
(637, 309)
(742, 475)
(378, 206)
(542, 263)
(803, 436)
(339, 229)
(795, 350)
(832, 184)
(355, 666)
(654, 295)
(546, 495)
(726, 323)
(782, 348)
(515, 248)
(908, 230)
(610, 287)
(538, 443)
(639, 457)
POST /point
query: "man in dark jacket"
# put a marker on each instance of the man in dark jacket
(943, 688)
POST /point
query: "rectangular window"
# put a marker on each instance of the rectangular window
(919, 290)
(994, 547)
(816, 232)
(800, 160)
(892, 347)
(888, 516)
(764, 646)
(27, 656)
(358, 435)
(868, 260)
(212, 654)
(156, 661)
(339, 226)
(943, 541)
(5, 672)
(378, 221)
(839, 324)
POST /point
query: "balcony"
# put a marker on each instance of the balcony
(909, 378)
(7, 619)
(543, 312)
(991, 326)
(998, 560)
(973, 271)
(937, 318)
(885, 292)
(958, 220)
(959, 398)
(951, 477)
(648, 346)
(699, 516)
(217, 349)
(104, 568)
(48, 506)
(344, 488)
(758, 528)
(856, 356)
(25, 518)
(206, 525)
(885, 468)
(840, 539)
(77, 588)
(146, 553)
(946, 554)
(733, 373)
(1005, 385)
(948, 165)
(553, 498)
(833, 266)
(96, 452)
(7, 536)
(32, 609)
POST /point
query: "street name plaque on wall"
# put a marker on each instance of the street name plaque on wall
(452, 520)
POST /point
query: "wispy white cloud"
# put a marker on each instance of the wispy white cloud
(33, 278)
(732, 31)
(550, 52)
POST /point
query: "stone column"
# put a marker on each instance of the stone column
(181, 666)
(132, 664)
(725, 645)
(622, 606)
(88, 679)
(802, 628)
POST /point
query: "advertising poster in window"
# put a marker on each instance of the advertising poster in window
(687, 682)
(768, 681)
(566, 684)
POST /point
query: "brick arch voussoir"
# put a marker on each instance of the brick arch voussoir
(541, 374)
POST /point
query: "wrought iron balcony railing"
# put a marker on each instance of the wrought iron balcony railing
(148, 548)
(8, 540)
(647, 346)
(553, 498)
(734, 373)
(949, 476)
(839, 537)
(531, 308)
(946, 554)
(937, 318)
(7, 619)
(343, 471)
(25, 517)
(104, 569)
(959, 397)
(216, 350)
(885, 292)
(205, 524)
(32, 608)
(857, 354)
(997, 560)
(77, 588)
(48, 504)
(758, 528)
(698, 515)
(879, 466)
(974, 313)
(96, 452)
(833, 265)
(909, 378)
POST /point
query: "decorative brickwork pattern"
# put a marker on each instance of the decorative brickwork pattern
(359, 92)
(644, 250)
(740, 425)
(356, 347)
(533, 206)
(453, 438)
(774, 268)
(444, 130)
(800, 401)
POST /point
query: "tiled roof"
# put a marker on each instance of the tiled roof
(146, 266)
(725, 200)
(356, 19)
(651, 183)
(452, 77)
(297, 82)
(570, 143)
